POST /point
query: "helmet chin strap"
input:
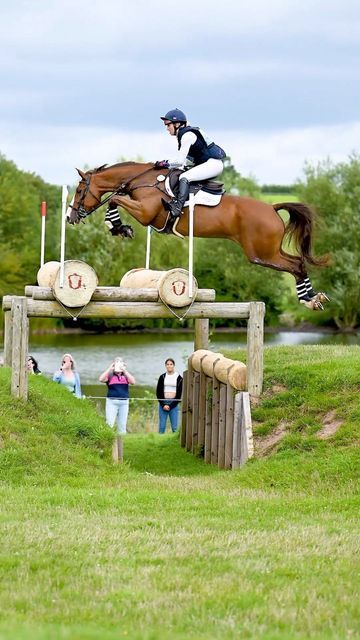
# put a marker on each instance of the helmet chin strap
(177, 126)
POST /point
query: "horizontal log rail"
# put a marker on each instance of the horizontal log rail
(110, 309)
(117, 294)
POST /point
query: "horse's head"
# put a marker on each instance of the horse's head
(87, 198)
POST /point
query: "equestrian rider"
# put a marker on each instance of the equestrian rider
(193, 146)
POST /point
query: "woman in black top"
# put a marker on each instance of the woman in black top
(168, 393)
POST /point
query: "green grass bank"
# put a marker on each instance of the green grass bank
(166, 547)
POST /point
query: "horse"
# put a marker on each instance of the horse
(254, 225)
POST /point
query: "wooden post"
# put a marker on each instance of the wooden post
(201, 340)
(184, 409)
(229, 430)
(195, 412)
(20, 335)
(118, 450)
(215, 420)
(237, 431)
(208, 420)
(190, 387)
(8, 331)
(222, 426)
(246, 437)
(255, 342)
(202, 410)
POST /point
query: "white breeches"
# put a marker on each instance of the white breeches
(209, 169)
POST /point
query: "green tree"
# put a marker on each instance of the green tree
(334, 189)
(21, 194)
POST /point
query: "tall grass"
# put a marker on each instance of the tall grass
(165, 546)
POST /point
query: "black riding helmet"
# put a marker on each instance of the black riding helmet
(174, 115)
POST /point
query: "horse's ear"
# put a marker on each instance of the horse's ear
(81, 174)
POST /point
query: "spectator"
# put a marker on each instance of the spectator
(168, 393)
(32, 366)
(117, 379)
(68, 376)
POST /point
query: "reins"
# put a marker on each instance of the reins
(122, 189)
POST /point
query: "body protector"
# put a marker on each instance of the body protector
(202, 150)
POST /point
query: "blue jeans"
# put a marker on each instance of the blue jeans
(117, 409)
(163, 416)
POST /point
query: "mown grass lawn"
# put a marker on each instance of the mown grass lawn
(167, 547)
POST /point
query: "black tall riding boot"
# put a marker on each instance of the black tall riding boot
(177, 204)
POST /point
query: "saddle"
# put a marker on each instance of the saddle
(208, 186)
(206, 192)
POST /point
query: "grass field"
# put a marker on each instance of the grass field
(273, 198)
(167, 547)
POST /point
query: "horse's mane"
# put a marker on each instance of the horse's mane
(111, 166)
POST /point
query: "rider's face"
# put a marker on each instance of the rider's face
(171, 128)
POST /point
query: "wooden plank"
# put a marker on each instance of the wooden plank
(208, 420)
(229, 426)
(215, 408)
(117, 294)
(190, 387)
(246, 439)
(52, 309)
(195, 412)
(8, 336)
(222, 426)
(19, 380)
(184, 409)
(201, 340)
(202, 411)
(23, 390)
(238, 404)
(255, 348)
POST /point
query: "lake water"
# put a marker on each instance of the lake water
(145, 353)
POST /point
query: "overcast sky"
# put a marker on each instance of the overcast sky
(276, 83)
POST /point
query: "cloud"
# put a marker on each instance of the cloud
(92, 79)
(271, 157)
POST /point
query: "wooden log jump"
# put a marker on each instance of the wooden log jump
(116, 302)
(216, 417)
(117, 294)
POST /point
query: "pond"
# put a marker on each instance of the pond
(145, 353)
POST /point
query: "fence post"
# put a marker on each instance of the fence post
(195, 412)
(189, 412)
(255, 342)
(20, 334)
(8, 331)
(215, 420)
(222, 426)
(208, 420)
(201, 340)
(184, 409)
(229, 426)
(246, 436)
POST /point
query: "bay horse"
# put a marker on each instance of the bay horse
(256, 226)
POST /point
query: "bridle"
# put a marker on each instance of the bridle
(121, 190)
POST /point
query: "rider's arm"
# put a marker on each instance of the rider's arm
(187, 140)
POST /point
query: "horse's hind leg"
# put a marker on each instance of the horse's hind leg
(282, 261)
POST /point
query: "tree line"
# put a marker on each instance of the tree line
(332, 189)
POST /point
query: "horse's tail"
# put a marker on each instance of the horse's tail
(300, 230)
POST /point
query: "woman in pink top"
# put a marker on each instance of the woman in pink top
(117, 379)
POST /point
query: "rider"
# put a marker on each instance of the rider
(194, 147)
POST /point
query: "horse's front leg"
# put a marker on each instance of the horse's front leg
(116, 227)
(135, 208)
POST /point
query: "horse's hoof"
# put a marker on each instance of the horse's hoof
(127, 231)
(323, 297)
(313, 304)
